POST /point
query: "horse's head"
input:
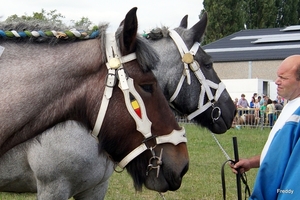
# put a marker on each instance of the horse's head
(188, 79)
(139, 130)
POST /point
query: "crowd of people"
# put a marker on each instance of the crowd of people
(260, 108)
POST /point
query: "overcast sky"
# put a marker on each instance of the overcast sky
(151, 13)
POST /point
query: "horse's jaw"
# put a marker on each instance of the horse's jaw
(165, 181)
(170, 173)
(219, 126)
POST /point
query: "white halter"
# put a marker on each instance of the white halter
(114, 65)
(190, 63)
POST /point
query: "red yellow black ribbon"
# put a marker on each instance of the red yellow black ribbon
(136, 107)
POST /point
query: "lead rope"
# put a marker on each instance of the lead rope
(243, 175)
(162, 196)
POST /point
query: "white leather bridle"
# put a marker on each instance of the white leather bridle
(126, 84)
(206, 85)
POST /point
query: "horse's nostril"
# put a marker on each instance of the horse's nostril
(184, 170)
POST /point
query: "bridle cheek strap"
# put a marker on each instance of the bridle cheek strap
(182, 48)
(183, 51)
(110, 82)
(114, 64)
(143, 124)
(206, 86)
(175, 137)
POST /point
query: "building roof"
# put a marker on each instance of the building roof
(256, 44)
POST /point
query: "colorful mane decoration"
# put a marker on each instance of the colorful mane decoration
(68, 34)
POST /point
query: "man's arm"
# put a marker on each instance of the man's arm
(246, 164)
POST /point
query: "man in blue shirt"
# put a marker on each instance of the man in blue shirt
(279, 162)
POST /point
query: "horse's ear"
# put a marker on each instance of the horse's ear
(129, 32)
(184, 22)
(199, 28)
(121, 24)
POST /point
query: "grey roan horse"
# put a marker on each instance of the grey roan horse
(193, 88)
(68, 81)
(93, 168)
(62, 162)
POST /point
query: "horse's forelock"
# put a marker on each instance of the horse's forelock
(163, 32)
(147, 57)
(158, 33)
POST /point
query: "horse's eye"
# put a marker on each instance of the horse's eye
(209, 65)
(147, 88)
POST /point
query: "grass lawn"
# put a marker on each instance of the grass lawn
(203, 180)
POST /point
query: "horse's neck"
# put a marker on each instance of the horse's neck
(38, 82)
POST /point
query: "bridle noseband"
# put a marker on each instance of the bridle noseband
(206, 85)
(132, 101)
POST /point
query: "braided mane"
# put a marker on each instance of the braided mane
(41, 31)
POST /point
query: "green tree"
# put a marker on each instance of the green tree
(229, 16)
(51, 16)
(84, 22)
(298, 11)
(260, 13)
(288, 12)
(224, 18)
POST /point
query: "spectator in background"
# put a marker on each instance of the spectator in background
(236, 100)
(256, 108)
(262, 100)
(234, 122)
(278, 106)
(242, 103)
(280, 100)
(254, 95)
(271, 112)
(267, 99)
(251, 105)
(259, 98)
(263, 113)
